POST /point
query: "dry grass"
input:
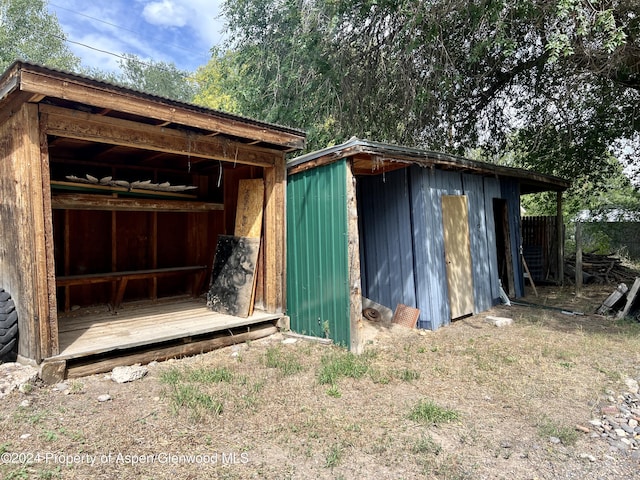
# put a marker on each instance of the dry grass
(311, 411)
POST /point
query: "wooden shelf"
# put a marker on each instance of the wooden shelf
(86, 201)
(129, 192)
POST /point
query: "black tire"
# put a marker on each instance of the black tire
(8, 320)
(7, 307)
(8, 328)
(8, 334)
(8, 352)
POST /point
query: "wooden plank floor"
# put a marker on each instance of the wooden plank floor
(95, 330)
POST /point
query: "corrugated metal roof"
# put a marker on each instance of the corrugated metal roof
(384, 152)
(20, 64)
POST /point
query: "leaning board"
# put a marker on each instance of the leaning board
(250, 207)
(232, 275)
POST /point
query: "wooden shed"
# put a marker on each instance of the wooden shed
(112, 203)
(401, 226)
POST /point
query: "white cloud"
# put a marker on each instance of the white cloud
(179, 31)
(166, 13)
(201, 16)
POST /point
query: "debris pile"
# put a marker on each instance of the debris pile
(622, 302)
(599, 269)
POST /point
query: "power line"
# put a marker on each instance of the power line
(121, 28)
(184, 74)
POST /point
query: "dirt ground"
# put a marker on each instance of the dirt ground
(470, 401)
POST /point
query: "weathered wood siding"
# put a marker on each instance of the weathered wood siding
(25, 233)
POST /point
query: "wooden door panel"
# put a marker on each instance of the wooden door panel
(455, 218)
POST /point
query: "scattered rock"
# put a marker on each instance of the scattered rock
(609, 410)
(13, 375)
(104, 398)
(61, 387)
(153, 364)
(24, 436)
(288, 341)
(555, 440)
(25, 403)
(128, 374)
(632, 385)
(618, 424)
(586, 456)
(499, 321)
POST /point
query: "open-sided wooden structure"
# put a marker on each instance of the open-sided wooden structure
(77, 233)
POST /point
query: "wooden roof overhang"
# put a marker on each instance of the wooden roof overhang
(372, 158)
(100, 120)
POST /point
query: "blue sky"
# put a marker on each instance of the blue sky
(178, 31)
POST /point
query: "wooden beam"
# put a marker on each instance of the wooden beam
(50, 329)
(355, 289)
(274, 238)
(98, 95)
(163, 353)
(560, 237)
(82, 201)
(579, 272)
(68, 123)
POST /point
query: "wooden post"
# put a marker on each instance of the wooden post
(578, 258)
(355, 289)
(274, 237)
(560, 237)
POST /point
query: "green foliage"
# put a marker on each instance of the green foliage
(194, 400)
(210, 375)
(334, 456)
(30, 33)
(548, 428)
(334, 392)
(408, 375)
(556, 83)
(427, 411)
(426, 445)
(157, 78)
(186, 393)
(342, 364)
(286, 362)
(604, 190)
(218, 83)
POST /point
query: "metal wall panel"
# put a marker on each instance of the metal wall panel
(386, 246)
(427, 188)
(483, 243)
(510, 191)
(491, 191)
(317, 253)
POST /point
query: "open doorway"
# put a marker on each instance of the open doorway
(503, 245)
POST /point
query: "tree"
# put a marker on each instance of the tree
(557, 81)
(29, 32)
(216, 83)
(157, 78)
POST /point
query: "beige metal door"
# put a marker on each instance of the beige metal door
(457, 248)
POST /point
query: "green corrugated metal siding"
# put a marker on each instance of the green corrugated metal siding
(317, 253)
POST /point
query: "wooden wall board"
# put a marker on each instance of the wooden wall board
(455, 217)
(232, 275)
(250, 208)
